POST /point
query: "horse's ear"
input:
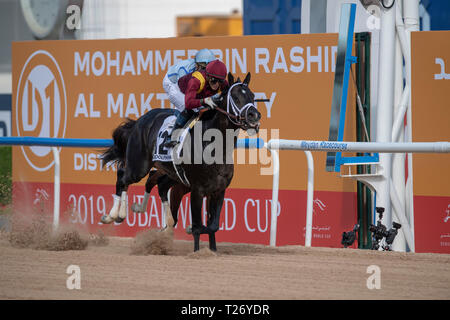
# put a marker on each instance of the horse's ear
(230, 78)
(247, 79)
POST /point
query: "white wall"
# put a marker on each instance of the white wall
(144, 18)
(12, 28)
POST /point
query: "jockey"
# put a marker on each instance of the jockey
(199, 87)
(182, 68)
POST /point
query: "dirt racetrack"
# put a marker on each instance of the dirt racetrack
(237, 271)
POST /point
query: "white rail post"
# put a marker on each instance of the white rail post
(56, 191)
(385, 107)
(397, 188)
(275, 188)
(411, 16)
(309, 199)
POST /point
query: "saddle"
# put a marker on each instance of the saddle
(174, 155)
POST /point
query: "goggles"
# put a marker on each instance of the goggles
(215, 80)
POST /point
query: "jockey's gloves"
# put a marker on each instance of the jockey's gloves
(209, 102)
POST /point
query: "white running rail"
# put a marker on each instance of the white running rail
(342, 146)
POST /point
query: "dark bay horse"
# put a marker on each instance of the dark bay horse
(135, 142)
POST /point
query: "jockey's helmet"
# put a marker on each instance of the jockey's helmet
(216, 69)
(204, 56)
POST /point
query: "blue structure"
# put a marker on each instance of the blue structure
(438, 14)
(284, 16)
(272, 16)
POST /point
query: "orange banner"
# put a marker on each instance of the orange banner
(431, 109)
(430, 96)
(85, 89)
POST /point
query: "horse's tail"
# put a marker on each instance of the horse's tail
(117, 152)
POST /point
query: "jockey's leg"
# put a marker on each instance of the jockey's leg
(176, 97)
(182, 119)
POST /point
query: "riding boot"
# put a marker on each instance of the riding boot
(182, 119)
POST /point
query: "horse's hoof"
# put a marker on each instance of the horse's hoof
(119, 220)
(136, 207)
(189, 230)
(106, 219)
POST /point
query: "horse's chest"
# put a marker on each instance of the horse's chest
(212, 181)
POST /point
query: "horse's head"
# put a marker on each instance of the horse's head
(239, 103)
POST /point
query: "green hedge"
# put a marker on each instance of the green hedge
(5, 175)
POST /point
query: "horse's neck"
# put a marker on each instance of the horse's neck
(221, 122)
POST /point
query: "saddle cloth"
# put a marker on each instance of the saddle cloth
(163, 153)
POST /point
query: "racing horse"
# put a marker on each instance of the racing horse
(235, 110)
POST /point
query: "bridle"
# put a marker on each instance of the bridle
(235, 114)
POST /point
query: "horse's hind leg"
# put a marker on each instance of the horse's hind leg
(151, 182)
(132, 175)
(136, 168)
(114, 212)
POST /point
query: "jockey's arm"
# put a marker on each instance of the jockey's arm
(190, 98)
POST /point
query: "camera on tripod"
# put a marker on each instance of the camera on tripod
(380, 231)
(392, 233)
(349, 237)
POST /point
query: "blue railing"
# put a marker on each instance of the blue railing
(246, 143)
(55, 142)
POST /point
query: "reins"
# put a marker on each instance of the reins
(228, 114)
(235, 117)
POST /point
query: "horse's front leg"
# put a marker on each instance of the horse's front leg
(164, 184)
(215, 203)
(196, 210)
(176, 195)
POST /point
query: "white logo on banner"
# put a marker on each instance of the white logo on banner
(41, 106)
(442, 75)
